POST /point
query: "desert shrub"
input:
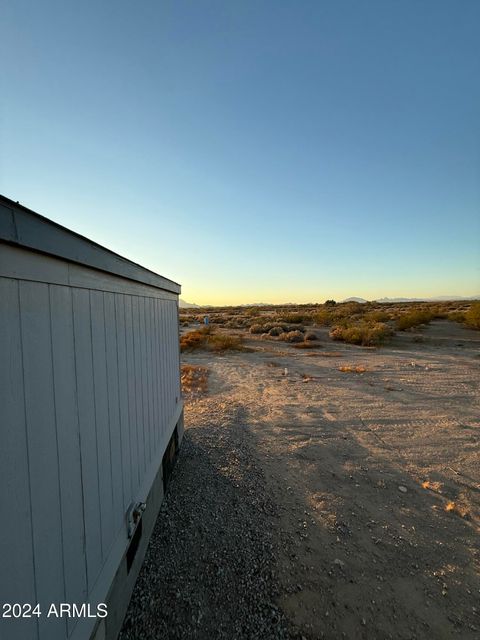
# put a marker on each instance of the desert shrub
(234, 324)
(194, 339)
(472, 316)
(439, 313)
(293, 327)
(268, 326)
(310, 335)
(330, 303)
(295, 318)
(276, 331)
(349, 309)
(257, 328)
(362, 333)
(413, 319)
(205, 338)
(333, 314)
(377, 316)
(457, 316)
(252, 312)
(324, 317)
(224, 342)
(328, 317)
(292, 336)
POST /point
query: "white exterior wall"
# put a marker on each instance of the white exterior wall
(89, 398)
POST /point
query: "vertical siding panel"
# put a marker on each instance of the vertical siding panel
(146, 408)
(174, 355)
(14, 477)
(160, 383)
(168, 344)
(171, 333)
(138, 385)
(146, 371)
(123, 394)
(155, 364)
(161, 348)
(167, 362)
(151, 367)
(114, 409)
(88, 433)
(132, 397)
(177, 353)
(162, 364)
(173, 346)
(63, 358)
(167, 367)
(102, 418)
(42, 440)
(166, 370)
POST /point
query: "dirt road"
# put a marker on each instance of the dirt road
(357, 495)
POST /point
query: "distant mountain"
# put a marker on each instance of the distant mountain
(186, 305)
(435, 299)
(260, 304)
(361, 300)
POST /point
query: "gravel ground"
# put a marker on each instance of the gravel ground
(209, 571)
(349, 501)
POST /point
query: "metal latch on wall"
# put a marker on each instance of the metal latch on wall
(134, 514)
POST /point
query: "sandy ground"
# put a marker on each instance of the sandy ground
(374, 479)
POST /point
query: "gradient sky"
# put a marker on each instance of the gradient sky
(254, 151)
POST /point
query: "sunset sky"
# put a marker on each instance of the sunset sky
(254, 151)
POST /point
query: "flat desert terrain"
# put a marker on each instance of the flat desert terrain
(311, 502)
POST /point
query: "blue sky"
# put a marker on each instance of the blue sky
(254, 151)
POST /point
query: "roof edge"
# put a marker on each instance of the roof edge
(26, 228)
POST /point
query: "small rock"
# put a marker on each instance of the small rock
(402, 488)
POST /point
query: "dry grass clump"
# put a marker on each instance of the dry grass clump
(472, 316)
(205, 338)
(252, 312)
(292, 336)
(295, 318)
(457, 316)
(237, 323)
(310, 335)
(324, 317)
(362, 333)
(194, 339)
(261, 328)
(432, 485)
(276, 331)
(194, 378)
(225, 342)
(349, 368)
(414, 319)
(306, 345)
(330, 314)
(377, 316)
(458, 508)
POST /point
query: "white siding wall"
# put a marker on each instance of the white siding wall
(89, 391)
